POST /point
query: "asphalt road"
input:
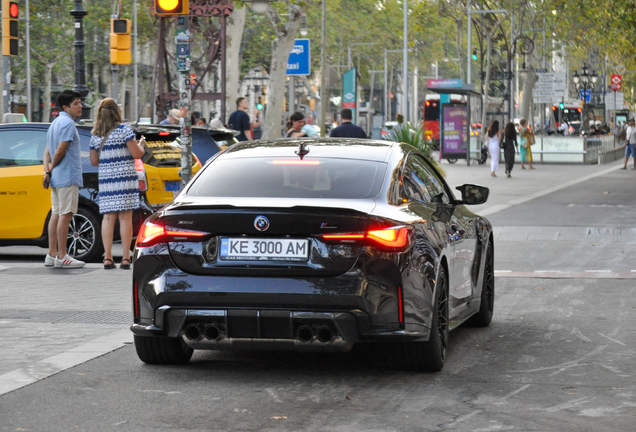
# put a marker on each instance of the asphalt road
(558, 356)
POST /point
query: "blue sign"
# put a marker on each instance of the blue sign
(586, 95)
(299, 61)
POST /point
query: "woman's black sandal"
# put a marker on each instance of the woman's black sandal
(125, 264)
(108, 264)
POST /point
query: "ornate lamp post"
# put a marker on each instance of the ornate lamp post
(584, 82)
(80, 67)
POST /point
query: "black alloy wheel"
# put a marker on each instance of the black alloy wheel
(483, 318)
(430, 356)
(162, 350)
(84, 237)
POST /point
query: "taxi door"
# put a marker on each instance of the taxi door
(24, 203)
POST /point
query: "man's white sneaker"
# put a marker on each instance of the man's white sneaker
(68, 262)
(49, 261)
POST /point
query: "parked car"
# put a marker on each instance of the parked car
(26, 205)
(313, 245)
(206, 141)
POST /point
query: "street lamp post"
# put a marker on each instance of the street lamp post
(80, 67)
(584, 82)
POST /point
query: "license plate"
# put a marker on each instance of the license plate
(242, 249)
(173, 185)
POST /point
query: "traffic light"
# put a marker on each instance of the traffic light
(172, 7)
(259, 104)
(475, 54)
(10, 13)
(561, 105)
(120, 42)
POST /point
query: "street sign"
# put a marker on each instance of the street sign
(350, 91)
(586, 95)
(299, 62)
(617, 82)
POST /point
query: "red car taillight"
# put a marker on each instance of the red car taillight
(141, 175)
(151, 234)
(394, 239)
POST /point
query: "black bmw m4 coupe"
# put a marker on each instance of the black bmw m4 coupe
(313, 245)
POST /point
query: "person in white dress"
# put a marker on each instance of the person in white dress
(493, 136)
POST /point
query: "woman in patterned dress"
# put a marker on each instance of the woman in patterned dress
(118, 183)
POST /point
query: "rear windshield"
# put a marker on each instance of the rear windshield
(290, 178)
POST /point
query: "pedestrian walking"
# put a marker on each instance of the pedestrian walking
(630, 144)
(347, 129)
(63, 173)
(493, 136)
(114, 149)
(174, 116)
(295, 125)
(201, 121)
(240, 120)
(510, 147)
(527, 140)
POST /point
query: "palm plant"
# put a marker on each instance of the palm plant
(413, 135)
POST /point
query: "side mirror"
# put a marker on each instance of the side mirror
(473, 194)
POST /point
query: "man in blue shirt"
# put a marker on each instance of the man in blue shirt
(240, 120)
(347, 129)
(63, 172)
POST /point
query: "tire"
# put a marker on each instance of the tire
(85, 237)
(451, 160)
(162, 350)
(483, 318)
(430, 356)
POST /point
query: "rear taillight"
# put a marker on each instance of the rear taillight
(141, 175)
(394, 238)
(390, 237)
(151, 234)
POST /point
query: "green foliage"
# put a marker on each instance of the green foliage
(414, 135)
(409, 134)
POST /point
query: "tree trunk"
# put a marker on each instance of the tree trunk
(460, 25)
(234, 36)
(281, 47)
(528, 85)
(485, 105)
(46, 110)
(122, 98)
(312, 94)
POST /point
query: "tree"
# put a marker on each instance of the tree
(281, 47)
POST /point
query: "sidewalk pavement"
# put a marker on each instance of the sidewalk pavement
(52, 319)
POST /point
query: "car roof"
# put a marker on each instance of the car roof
(347, 148)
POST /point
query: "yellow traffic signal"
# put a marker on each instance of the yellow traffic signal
(10, 12)
(120, 42)
(172, 7)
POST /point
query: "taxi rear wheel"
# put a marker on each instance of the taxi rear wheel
(85, 237)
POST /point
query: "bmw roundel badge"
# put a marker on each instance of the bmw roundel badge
(261, 223)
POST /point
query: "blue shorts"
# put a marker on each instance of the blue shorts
(630, 150)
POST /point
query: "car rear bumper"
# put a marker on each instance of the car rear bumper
(253, 329)
(241, 312)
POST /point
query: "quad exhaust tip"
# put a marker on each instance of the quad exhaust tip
(193, 332)
(213, 333)
(305, 334)
(324, 335)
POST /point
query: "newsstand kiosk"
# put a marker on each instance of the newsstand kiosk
(457, 140)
